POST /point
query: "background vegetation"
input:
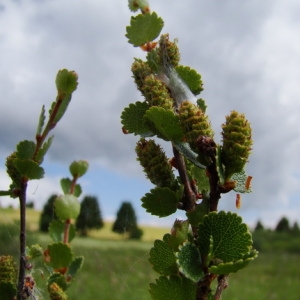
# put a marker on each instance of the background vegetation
(111, 260)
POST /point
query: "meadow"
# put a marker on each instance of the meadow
(117, 269)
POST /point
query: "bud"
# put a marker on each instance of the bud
(78, 168)
(155, 163)
(156, 93)
(237, 143)
(194, 123)
(143, 5)
(207, 149)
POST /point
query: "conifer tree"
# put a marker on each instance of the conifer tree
(283, 225)
(126, 222)
(48, 214)
(90, 215)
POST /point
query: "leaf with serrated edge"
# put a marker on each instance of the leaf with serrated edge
(191, 78)
(166, 122)
(42, 151)
(57, 228)
(59, 279)
(162, 258)
(233, 267)
(231, 238)
(75, 266)
(160, 202)
(144, 28)
(189, 261)
(65, 184)
(25, 149)
(132, 118)
(60, 255)
(173, 288)
(29, 168)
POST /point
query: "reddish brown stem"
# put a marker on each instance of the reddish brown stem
(189, 199)
(222, 284)
(23, 261)
(66, 231)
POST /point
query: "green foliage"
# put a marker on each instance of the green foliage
(144, 28)
(67, 207)
(48, 214)
(133, 119)
(66, 81)
(126, 222)
(162, 258)
(191, 78)
(189, 261)
(89, 216)
(283, 225)
(231, 238)
(173, 288)
(59, 255)
(67, 185)
(78, 168)
(160, 202)
(207, 242)
(57, 229)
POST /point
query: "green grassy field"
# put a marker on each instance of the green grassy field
(118, 269)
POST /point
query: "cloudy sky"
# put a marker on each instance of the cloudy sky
(248, 53)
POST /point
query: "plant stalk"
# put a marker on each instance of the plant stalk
(23, 261)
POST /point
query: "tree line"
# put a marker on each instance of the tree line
(90, 217)
(283, 225)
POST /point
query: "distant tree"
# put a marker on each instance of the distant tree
(30, 204)
(89, 216)
(259, 226)
(295, 228)
(126, 222)
(283, 225)
(48, 214)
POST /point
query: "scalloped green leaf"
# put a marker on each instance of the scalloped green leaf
(66, 184)
(196, 215)
(166, 122)
(173, 288)
(241, 179)
(60, 255)
(75, 266)
(191, 78)
(180, 230)
(162, 258)
(189, 261)
(231, 238)
(67, 207)
(160, 202)
(233, 267)
(57, 228)
(66, 81)
(25, 149)
(132, 118)
(8, 290)
(144, 28)
(29, 168)
(43, 150)
(201, 178)
(59, 279)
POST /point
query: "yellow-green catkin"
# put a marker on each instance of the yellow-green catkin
(155, 163)
(194, 123)
(8, 270)
(12, 171)
(237, 142)
(140, 71)
(56, 292)
(168, 52)
(156, 93)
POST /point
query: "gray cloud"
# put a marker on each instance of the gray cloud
(247, 53)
